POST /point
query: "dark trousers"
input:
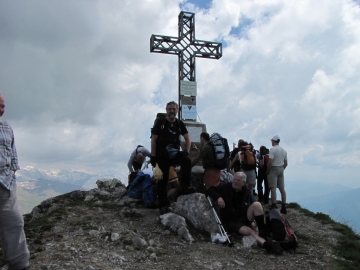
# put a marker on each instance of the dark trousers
(262, 177)
(136, 165)
(164, 164)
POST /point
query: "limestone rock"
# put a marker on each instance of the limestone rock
(104, 193)
(184, 233)
(108, 183)
(173, 221)
(138, 242)
(196, 209)
(47, 203)
(114, 237)
(77, 195)
(88, 198)
(130, 212)
(126, 200)
(248, 241)
(36, 212)
(119, 192)
(94, 232)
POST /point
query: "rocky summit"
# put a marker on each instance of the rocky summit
(104, 229)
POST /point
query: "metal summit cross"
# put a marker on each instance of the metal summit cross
(187, 48)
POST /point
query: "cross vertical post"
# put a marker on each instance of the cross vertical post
(187, 48)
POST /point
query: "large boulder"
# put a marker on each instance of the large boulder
(195, 208)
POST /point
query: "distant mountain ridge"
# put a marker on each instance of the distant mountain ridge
(37, 185)
(30, 173)
(342, 206)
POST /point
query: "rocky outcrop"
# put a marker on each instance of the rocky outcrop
(100, 230)
(196, 210)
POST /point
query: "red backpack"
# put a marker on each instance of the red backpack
(247, 158)
(280, 230)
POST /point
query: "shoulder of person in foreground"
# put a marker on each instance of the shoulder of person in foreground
(218, 191)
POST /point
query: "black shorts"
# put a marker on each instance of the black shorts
(233, 226)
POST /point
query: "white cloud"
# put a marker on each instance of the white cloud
(82, 88)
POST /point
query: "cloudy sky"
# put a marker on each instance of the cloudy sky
(82, 88)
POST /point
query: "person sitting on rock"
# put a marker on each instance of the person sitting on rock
(238, 210)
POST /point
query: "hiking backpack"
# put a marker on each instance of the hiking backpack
(264, 159)
(247, 158)
(143, 187)
(221, 150)
(226, 176)
(279, 229)
(135, 187)
(149, 194)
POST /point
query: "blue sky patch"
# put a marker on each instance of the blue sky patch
(203, 4)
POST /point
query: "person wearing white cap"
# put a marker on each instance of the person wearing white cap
(275, 171)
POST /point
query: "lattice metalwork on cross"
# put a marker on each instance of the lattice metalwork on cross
(187, 48)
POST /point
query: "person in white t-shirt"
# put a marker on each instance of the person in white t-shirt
(275, 172)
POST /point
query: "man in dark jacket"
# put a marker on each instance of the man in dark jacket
(165, 145)
(239, 209)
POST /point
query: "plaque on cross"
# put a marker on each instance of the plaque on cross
(187, 48)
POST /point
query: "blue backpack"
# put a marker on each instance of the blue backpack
(143, 187)
(149, 193)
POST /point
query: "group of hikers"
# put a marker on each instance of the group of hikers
(235, 198)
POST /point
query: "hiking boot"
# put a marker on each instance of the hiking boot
(273, 247)
(163, 210)
(273, 206)
(187, 191)
(263, 234)
(283, 209)
(276, 248)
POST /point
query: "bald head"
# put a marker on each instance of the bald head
(140, 158)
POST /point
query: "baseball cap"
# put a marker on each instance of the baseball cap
(275, 138)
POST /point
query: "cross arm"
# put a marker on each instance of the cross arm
(165, 44)
(207, 49)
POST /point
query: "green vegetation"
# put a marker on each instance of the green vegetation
(348, 246)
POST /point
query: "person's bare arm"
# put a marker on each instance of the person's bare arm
(153, 144)
(187, 142)
(269, 165)
(285, 163)
(221, 202)
(195, 160)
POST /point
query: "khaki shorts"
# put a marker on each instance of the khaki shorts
(250, 177)
(276, 177)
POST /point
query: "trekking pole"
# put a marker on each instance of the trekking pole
(218, 221)
(145, 165)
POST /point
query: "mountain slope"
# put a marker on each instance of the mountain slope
(341, 206)
(103, 233)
